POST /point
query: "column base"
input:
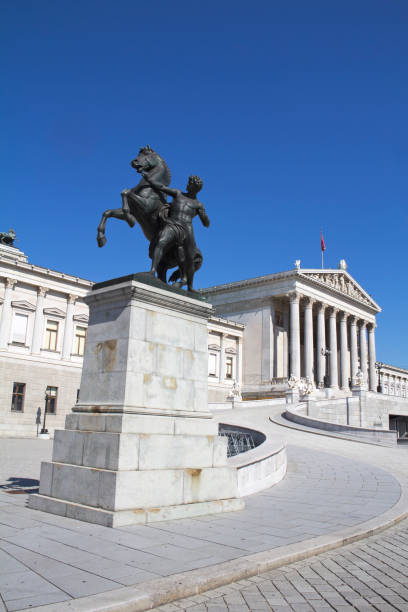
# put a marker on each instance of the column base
(134, 516)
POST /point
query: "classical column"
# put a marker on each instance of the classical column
(308, 338)
(294, 346)
(333, 371)
(344, 375)
(321, 345)
(363, 350)
(6, 313)
(353, 348)
(38, 321)
(69, 328)
(222, 358)
(371, 358)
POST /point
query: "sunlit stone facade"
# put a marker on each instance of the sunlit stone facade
(304, 323)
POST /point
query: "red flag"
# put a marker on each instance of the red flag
(322, 245)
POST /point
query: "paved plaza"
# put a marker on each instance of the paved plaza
(334, 490)
(369, 575)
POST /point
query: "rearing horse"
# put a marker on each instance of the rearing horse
(141, 203)
(146, 206)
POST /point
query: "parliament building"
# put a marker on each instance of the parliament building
(312, 324)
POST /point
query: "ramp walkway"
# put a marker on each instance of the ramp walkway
(335, 491)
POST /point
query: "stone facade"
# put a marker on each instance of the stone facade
(304, 323)
(43, 322)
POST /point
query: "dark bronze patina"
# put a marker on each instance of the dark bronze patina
(168, 227)
(8, 238)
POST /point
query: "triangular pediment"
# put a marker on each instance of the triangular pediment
(341, 282)
(214, 347)
(23, 304)
(82, 318)
(54, 312)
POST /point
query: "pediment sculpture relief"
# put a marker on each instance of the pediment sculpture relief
(342, 283)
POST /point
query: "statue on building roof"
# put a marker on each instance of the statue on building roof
(167, 226)
(8, 238)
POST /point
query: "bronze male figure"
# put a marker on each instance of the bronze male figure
(177, 230)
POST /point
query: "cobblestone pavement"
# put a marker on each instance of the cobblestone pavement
(44, 558)
(371, 575)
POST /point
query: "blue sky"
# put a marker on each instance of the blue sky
(294, 114)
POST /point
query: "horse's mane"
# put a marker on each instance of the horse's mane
(167, 174)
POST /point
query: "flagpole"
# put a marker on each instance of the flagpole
(322, 259)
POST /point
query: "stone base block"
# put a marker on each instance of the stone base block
(131, 517)
(141, 444)
(128, 489)
(113, 451)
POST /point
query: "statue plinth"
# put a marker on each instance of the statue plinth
(140, 444)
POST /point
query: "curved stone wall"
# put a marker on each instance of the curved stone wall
(375, 436)
(261, 467)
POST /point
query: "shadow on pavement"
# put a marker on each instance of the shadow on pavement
(16, 485)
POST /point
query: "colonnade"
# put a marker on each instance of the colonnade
(393, 384)
(340, 370)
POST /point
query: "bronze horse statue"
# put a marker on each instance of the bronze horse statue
(148, 207)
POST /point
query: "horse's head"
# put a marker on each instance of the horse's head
(147, 159)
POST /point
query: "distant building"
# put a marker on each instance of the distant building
(392, 380)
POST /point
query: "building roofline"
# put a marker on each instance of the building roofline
(222, 320)
(301, 273)
(381, 364)
(49, 272)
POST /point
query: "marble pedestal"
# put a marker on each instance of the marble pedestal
(140, 445)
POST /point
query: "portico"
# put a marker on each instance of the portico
(309, 323)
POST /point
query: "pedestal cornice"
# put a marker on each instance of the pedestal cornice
(139, 291)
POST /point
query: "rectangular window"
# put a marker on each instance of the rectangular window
(212, 364)
(228, 367)
(80, 337)
(17, 400)
(20, 322)
(51, 400)
(51, 336)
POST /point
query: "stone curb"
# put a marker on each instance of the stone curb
(158, 592)
(282, 422)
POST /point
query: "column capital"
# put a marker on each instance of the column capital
(294, 296)
(353, 319)
(321, 306)
(308, 301)
(42, 291)
(343, 315)
(71, 299)
(332, 310)
(371, 327)
(362, 323)
(9, 282)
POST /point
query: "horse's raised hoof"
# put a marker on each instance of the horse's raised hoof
(101, 240)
